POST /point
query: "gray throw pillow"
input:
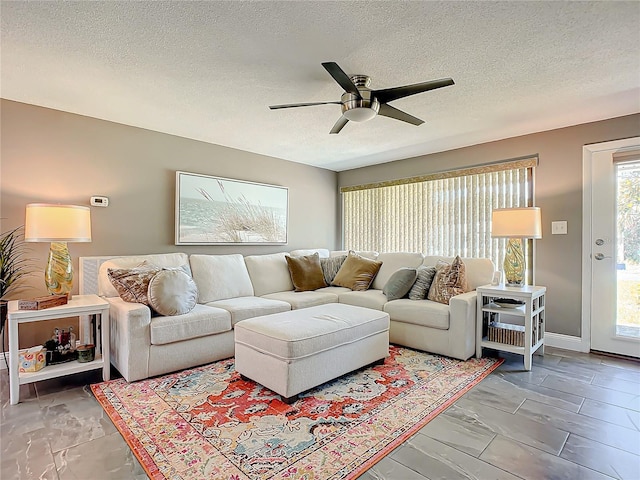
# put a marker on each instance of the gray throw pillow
(172, 292)
(423, 282)
(399, 283)
(330, 267)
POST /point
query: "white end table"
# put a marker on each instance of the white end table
(78, 305)
(531, 314)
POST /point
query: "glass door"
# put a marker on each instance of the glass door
(614, 256)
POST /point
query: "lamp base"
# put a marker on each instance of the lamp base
(59, 273)
(514, 264)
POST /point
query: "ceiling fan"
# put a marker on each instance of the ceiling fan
(360, 103)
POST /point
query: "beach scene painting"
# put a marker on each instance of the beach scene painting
(216, 210)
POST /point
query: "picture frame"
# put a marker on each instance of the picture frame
(212, 210)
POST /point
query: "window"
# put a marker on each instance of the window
(445, 214)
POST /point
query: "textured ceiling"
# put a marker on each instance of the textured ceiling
(209, 70)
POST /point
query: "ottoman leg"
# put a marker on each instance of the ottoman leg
(289, 400)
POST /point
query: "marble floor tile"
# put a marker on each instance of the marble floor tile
(594, 392)
(26, 456)
(105, 458)
(594, 429)
(530, 463)
(610, 413)
(461, 433)
(435, 460)
(602, 458)
(542, 436)
(389, 469)
(618, 384)
(76, 422)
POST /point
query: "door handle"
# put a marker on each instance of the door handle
(600, 256)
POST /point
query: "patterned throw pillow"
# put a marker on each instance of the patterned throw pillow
(172, 292)
(356, 272)
(399, 283)
(330, 267)
(132, 283)
(450, 280)
(420, 288)
(306, 272)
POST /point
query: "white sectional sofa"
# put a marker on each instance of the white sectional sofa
(233, 288)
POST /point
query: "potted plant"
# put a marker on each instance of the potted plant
(13, 266)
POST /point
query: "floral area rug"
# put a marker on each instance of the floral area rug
(208, 423)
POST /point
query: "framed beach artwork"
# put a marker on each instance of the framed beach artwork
(222, 211)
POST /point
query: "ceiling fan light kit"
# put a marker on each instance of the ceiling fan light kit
(359, 103)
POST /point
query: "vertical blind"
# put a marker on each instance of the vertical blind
(441, 214)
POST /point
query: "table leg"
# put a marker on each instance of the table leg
(14, 380)
(104, 333)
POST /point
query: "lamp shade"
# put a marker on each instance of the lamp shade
(523, 222)
(57, 223)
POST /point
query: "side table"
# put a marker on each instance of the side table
(78, 305)
(520, 339)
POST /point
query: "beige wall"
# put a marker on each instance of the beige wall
(558, 191)
(53, 156)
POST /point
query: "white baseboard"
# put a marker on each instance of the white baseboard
(565, 342)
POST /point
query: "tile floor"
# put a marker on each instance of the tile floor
(574, 416)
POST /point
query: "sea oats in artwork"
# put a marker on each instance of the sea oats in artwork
(216, 210)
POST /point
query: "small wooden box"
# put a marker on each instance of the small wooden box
(41, 303)
(506, 333)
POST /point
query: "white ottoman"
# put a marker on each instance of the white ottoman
(293, 351)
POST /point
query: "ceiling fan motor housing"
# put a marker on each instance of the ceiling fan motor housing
(360, 109)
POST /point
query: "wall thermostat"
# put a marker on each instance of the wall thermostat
(100, 201)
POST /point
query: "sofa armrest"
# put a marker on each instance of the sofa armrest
(462, 318)
(130, 339)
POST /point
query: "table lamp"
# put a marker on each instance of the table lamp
(515, 224)
(58, 224)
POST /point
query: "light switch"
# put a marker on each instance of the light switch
(559, 228)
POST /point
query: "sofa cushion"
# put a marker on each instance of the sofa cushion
(303, 299)
(479, 271)
(172, 292)
(268, 273)
(334, 290)
(106, 289)
(322, 252)
(424, 279)
(391, 262)
(331, 266)
(371, 255)
(419, 312)
(374, 299)
(356, 273)
(242, 308)
(399, 283)
(132, 284)
(450, 280)
(220, 276)
(306, 272)
(199, 322)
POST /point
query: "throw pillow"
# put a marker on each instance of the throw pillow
(356, 272)
(424, 279)
(331, 266)
(450, 280)
(306, 272)
(132, 283)
(172, 292)
(399, 283)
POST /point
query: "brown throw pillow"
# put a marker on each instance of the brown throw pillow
(132, 283)
(306, 272)
(356, 272)
(450, 280)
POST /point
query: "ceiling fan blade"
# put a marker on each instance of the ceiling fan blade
(342, 121)
(389, 94)
(292, 105)
(392, 112)
(342, 78)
